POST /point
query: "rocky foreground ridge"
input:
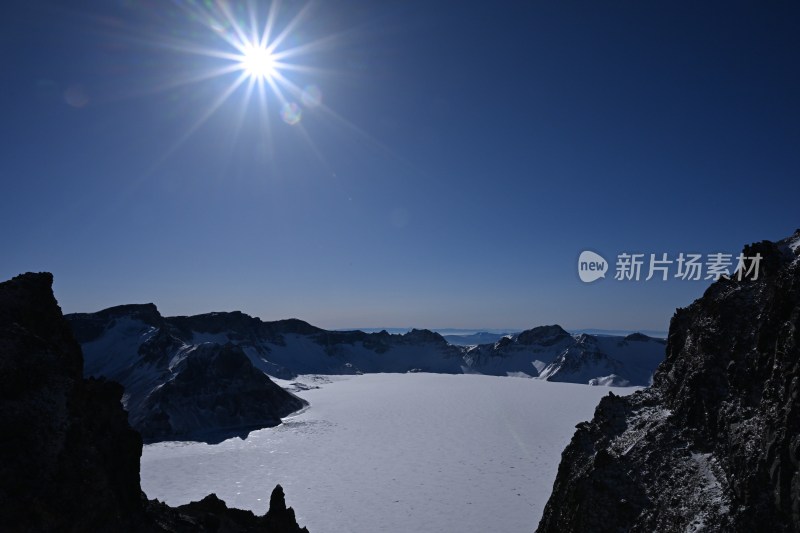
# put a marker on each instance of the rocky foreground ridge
(714, 444)
(69, 461)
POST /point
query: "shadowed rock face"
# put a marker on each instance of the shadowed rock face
(175, 390)
(68, 458)
(69, 461)
(543, 335)
(714, 444)
(217, 387)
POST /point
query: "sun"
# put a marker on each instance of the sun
(261, 53)
(258, 62)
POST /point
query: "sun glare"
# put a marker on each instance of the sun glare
(258, 53)
(258, 62)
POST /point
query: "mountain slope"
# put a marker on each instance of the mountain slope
(551, 353)
(214, 392)
(714, 443)
(175, 389)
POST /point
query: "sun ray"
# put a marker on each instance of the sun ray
(264, 114)
(258, 55)
(195, 78)
(269, 24)
(276, 89)
(305, 69)
(289, 28)
(206, 17)
(240, 34)
(177, 45)
(307, 48)
(221, 99)
(251, 8)
(240, 116)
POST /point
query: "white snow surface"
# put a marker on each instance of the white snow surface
(115, 355)
(392, 452)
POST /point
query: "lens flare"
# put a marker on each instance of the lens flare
(291, 113)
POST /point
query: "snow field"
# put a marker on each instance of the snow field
(393, 452)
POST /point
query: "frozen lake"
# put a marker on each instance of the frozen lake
(393, 452)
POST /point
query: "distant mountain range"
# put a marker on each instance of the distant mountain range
(487, 337)
(470, 337)
(481, 337)
(201, 377)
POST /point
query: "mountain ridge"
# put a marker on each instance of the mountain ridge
(348, 351)
(151, 354)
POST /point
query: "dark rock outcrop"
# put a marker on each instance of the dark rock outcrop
(214, 393)
(714, 444)
(211, 514)
(543, 335)
(69, 461)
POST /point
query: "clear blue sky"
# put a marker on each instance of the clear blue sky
(464, 155)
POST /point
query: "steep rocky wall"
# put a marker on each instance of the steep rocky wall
(714, 444)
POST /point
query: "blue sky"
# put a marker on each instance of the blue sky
(463, 157)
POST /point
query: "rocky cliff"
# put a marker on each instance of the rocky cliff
(69, 461)
(714, 444)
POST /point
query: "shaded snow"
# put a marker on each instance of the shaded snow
(392, 452)
(115, 355)
(639, 425)
(710, 491)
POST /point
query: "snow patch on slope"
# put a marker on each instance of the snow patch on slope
(710, 491)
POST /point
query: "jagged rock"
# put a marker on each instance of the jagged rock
(714, 444)
(69, 461)
(279, 516)
(211, 514)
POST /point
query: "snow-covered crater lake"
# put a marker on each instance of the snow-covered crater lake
(393, 452)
